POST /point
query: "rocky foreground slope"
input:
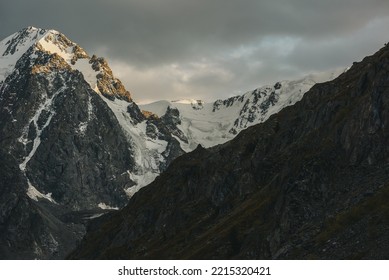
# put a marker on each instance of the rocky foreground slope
(310, 182)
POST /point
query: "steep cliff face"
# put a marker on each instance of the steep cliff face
(310, 182)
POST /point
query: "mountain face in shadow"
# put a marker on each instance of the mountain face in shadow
(310, 182)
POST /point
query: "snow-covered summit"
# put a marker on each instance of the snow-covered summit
(94, 69)
(14, 46)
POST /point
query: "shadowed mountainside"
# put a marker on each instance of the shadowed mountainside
(311, 182)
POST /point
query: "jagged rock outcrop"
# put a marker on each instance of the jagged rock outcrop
(107, 84)
(310, 182)
(171, 119)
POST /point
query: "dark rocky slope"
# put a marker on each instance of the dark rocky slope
(28, 228)
(311, 182)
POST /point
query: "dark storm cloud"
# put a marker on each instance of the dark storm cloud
(210, 46)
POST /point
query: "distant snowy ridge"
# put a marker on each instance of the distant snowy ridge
(215, 123)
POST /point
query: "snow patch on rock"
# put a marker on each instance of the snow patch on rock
(104, 206)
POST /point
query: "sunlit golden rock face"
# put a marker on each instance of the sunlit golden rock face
(107, 84)
(55, 62)
(149, 115)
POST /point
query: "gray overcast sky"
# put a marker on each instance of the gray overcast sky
(209, 49)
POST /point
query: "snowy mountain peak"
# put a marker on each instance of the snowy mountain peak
(55, 63)
(31, 40)
(14, 46)
(55, 42)
(64, 53)
(20, 41)
(49, 40)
